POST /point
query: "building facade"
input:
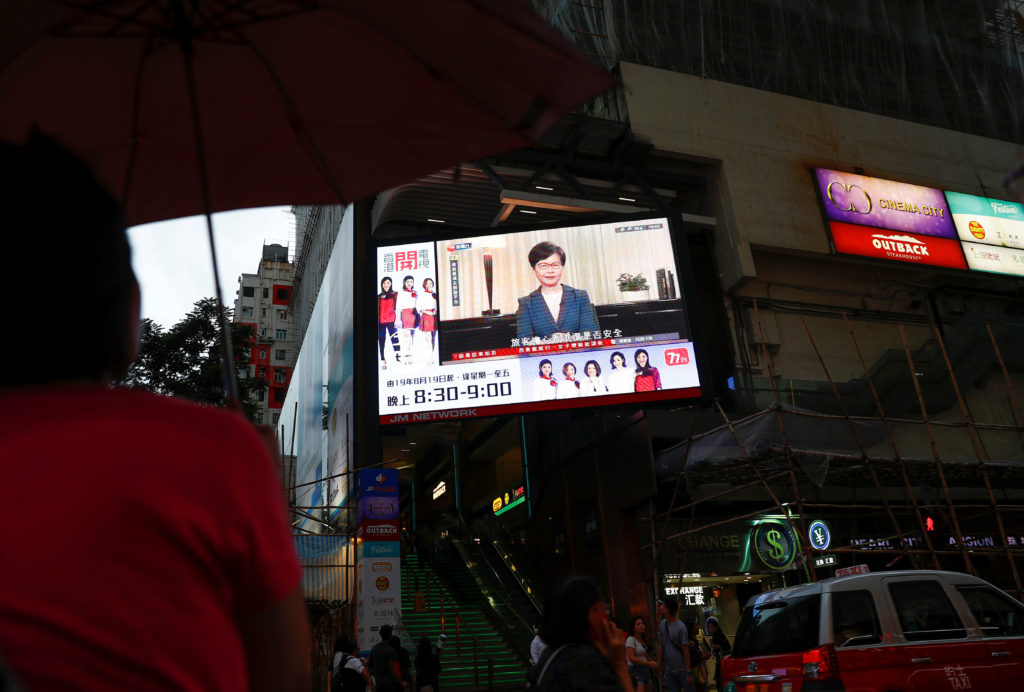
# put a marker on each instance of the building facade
(874, 392)
(262, 302)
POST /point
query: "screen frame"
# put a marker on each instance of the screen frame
(436, 233)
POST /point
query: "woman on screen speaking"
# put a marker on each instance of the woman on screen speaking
(621, 379)
(553, 310)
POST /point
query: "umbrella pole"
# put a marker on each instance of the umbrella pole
(230, 373)
(227, 360)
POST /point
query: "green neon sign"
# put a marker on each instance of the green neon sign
(514, 503)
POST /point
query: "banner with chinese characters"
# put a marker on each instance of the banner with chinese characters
(378, 552)
(533, 320)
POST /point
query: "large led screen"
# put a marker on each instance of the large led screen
(532, 320)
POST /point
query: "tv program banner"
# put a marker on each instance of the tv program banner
(378, 572)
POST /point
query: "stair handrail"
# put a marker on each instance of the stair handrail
(504, 555)
(497, 592)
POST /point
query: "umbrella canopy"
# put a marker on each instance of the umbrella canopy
(190, 106)
(197, 106)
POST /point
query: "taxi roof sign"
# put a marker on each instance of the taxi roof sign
(856, 569)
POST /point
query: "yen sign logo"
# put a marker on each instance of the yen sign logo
(819, 535)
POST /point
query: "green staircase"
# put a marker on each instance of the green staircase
(456, 598)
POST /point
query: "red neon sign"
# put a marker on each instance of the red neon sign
(897, 246)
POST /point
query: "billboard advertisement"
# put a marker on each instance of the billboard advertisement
(889, 220)
(987, 221)
(865, 201)
(534, 319)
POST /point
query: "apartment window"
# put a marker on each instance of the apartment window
(282, 314)
(246, 311)
(277, 417)
(262, 395)
(248, 291)
(263, 354)
(266, 292)
(281, 334)
(263, 373)
(263, 333)
(282, 294)
(278, 395)
(263, 312)
(279, 375)
(280, 354)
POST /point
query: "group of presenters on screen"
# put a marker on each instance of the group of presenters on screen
(620, 378)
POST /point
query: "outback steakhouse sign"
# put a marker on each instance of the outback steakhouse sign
(902, 247)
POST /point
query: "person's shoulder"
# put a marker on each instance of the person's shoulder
(575, 293)
(530, 297)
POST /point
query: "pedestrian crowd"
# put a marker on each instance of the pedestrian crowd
(579, 648)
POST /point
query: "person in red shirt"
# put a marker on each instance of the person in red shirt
(386, 317)
(145, 539)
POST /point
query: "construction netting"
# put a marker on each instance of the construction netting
(956, 65)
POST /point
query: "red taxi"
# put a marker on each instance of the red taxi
(884, 632)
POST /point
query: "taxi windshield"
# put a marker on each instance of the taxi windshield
(778, 627)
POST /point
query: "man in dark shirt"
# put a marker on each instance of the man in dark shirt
(674, 651)
(384, 664)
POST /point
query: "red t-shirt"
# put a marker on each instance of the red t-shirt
(133, 530)
(386, 308)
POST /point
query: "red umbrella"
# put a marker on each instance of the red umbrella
(196, 106)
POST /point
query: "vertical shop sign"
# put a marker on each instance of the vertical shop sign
(378, 569)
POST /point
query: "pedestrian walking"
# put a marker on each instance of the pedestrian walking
(674, 650)
(639, 654)
(428, 667)
(387, 675)
(586, 652)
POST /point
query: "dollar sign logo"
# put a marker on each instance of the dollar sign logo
(778, 551)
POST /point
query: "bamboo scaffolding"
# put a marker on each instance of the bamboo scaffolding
(892, 442)
(860, 444)
(935, 452)
(981, 460)
(971, 504)
(785, 440)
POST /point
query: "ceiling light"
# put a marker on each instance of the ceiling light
(528, 211)
(435, 220)
(544, 187)
(627, 199)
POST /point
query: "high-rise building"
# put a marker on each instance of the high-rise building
(262, 302)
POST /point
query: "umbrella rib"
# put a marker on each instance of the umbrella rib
(295, 121)
(133, 143)
(532, 113)
(97, 9)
